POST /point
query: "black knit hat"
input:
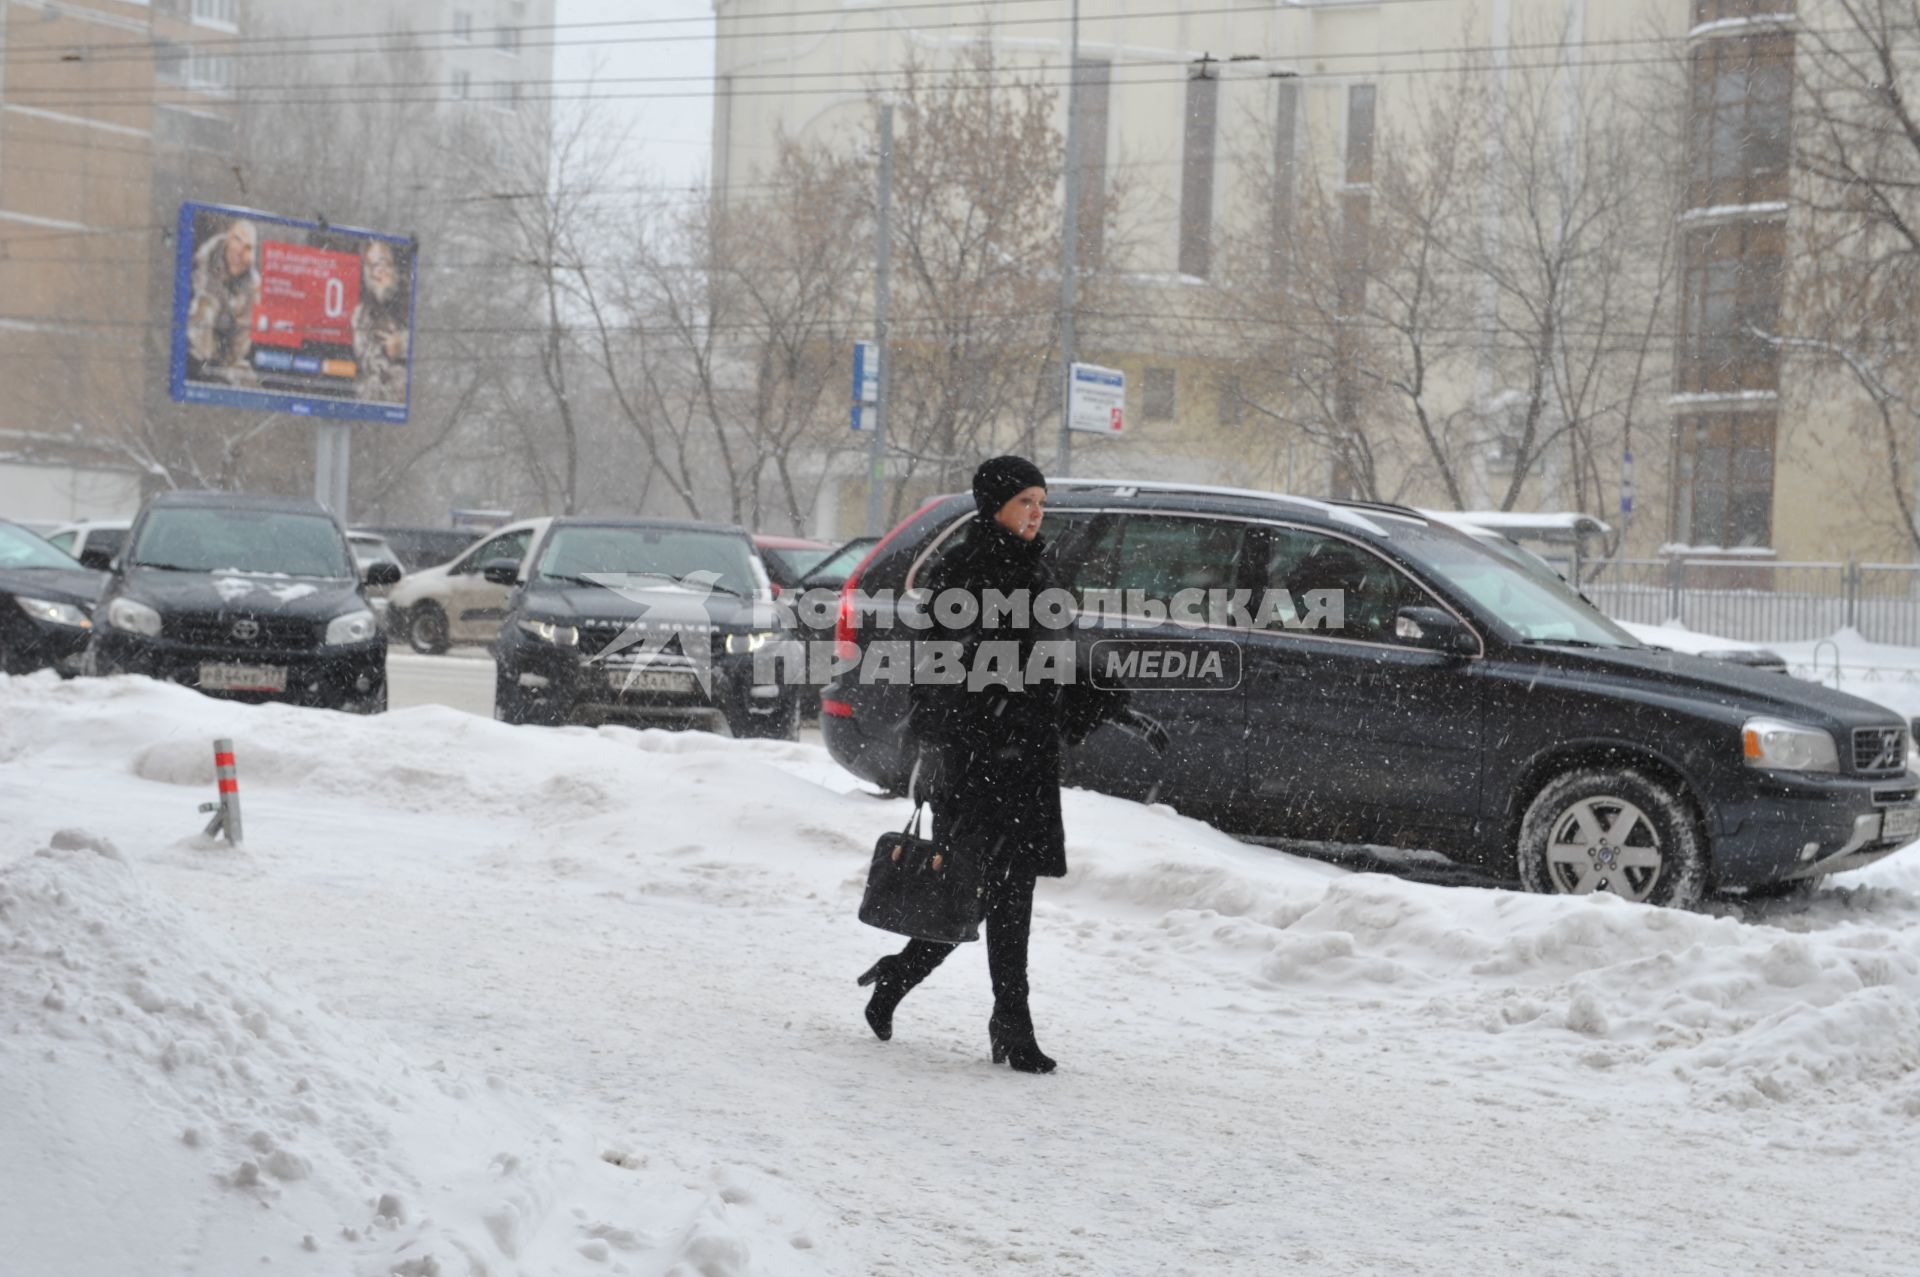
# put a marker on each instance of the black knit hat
(1001, 479)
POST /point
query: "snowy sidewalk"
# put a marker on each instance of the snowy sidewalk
(504, 952)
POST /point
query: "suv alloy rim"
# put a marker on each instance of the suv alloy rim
(1605, 844)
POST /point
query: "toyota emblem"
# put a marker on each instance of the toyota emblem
(246, 630)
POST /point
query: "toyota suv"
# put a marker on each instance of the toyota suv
(250, 597)
(1447, 700)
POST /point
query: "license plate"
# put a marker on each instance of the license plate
(218, 676)
(1901, 822)
(649, 681)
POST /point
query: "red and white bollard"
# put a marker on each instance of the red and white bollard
(226, 812)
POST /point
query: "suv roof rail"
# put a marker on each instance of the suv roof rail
(1332, 509)
(1384, 507)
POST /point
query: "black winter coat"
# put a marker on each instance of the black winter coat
(998, 750)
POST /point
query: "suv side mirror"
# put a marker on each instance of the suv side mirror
(100, 560)
(383, 573)
(1433, 629)
(501, 571)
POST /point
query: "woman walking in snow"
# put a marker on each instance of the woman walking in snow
(990, 758)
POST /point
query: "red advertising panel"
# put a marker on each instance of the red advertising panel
(307, 296)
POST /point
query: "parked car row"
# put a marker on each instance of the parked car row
(1469, 701)
(267, 598)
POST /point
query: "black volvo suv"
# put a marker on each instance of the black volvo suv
(250, 597)
(1385, 680)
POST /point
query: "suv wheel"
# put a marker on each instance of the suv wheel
(427, 629)
(1612, 829)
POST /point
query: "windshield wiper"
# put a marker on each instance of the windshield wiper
(570, 580)
(714, 586)
(168, 567)
(1573, 642)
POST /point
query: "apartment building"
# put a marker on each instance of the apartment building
(114, 112)
(88, 155)
(1218, 116)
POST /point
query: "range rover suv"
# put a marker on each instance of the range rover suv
(251, 597)
(640, 620)
(1461, 704)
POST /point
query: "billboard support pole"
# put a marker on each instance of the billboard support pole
(332, 466)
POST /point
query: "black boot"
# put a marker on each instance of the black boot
(1014, 1044)
(889, 986)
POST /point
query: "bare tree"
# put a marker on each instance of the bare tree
(1851, 317)
(1578, 249)
(977, 164)
(1349, 311)
(723, 329)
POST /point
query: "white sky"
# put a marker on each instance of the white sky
(672, 135)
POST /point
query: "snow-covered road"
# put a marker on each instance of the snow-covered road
(500, 955)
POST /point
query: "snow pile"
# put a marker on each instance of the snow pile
(171, 1108)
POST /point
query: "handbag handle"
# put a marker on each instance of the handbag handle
(913, 822)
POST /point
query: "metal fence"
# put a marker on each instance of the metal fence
(1764, 601)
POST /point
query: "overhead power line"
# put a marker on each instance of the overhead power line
(975, 18)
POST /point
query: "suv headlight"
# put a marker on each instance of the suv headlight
(551, 632)
(55, 613)
(739, 644)
(134, 618)
(354, 627)
(1788, 747)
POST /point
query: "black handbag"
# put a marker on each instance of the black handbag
(916, 887)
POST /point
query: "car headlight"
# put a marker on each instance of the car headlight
(55, 613)
(1788, 747)
(354, 627)
(553, 632)
(740, 644)
(134, 618)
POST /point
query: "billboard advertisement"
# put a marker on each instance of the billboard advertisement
(282, 315)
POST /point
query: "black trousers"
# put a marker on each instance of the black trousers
(1009, 924)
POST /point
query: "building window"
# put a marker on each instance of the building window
(1724, 471)
(1196, 176)
(217, 13)
(507, 39)
(1356, 240)
(506, 94)
(1231, 399)
(1092, 88)
(1730, 290)
(462, 85)
(1286, 133)
(170, 61)
(463, 26)
(1157, 394)
(1740, 120)
(210, 73)
(1360, 135)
